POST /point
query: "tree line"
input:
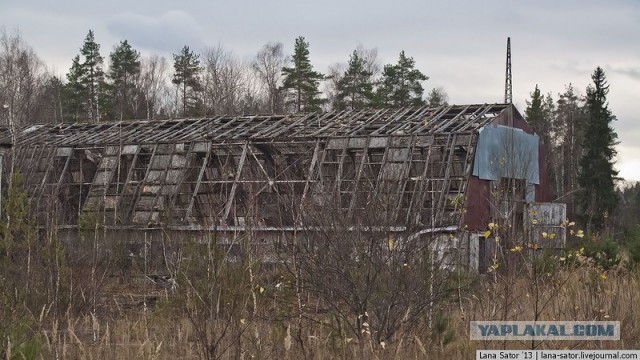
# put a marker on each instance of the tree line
(575, 129)
(579, 146)
(126, 85)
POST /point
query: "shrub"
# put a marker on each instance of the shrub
(633, 247)
(604, 252)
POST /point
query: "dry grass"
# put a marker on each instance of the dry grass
(159, 334)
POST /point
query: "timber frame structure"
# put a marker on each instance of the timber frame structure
(218, 172)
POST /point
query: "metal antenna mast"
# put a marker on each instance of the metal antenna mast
(508, 96)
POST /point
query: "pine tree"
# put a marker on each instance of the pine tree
(301, 82)
(598, 198)
(187, 78)
(123, 72)
(84, 95)
(540, 114)
(93, 76)
(74, 92)
(534, 112)
(355, 87)
(401, 84)
(437, 97)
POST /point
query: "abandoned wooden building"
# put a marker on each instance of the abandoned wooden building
(435, 168)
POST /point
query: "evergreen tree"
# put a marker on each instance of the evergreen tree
(355, 87)
(401, 84)
(187, 77)
(598, 198)
(84, 94)
(540, 114)
(437, 97)
(74, 92)
(93, 76)
(301, 82)
(534, 112)
(123, 72)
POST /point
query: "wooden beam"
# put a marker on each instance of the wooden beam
(227, 208)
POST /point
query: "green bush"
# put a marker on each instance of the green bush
(604, 252)
(633, 247)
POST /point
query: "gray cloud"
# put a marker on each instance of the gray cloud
(632, 72)
(168, 32)
(460, 44)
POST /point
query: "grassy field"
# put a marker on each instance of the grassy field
(164, 330)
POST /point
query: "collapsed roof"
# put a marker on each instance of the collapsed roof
(221, 171)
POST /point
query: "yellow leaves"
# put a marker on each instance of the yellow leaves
(571, 224)
(243, 321)
(534, 221)
(261, 290)
(392, 244)
(516, 249)
(493, 227)
(546, 235)
(493, 266)
(533, 246)
(426, 122)
(603, 276)
(580, 234)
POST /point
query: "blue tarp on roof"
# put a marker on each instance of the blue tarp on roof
(508, 153)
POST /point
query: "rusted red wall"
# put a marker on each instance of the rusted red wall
(477, 217)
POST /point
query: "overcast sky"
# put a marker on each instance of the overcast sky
(459, 44)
